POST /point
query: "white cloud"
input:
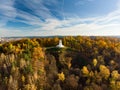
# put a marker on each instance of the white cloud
(38, 7)
(7, 11)
(72, 26)
(102, 25)
(28, 18)
(6, 33)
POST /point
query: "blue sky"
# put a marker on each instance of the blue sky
(59, 17)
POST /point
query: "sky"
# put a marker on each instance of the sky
(59, 17)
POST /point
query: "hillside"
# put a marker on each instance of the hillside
(85, 63)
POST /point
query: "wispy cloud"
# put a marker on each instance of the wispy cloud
(48, 24)
(82, 2)
(102, 25)
(7, 11)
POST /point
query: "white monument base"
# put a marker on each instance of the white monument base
(60, 44)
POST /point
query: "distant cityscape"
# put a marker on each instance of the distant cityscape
(6, 39)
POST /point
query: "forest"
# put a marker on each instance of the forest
(85, 63)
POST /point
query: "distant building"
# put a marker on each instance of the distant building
(60, 44)
(1, 39)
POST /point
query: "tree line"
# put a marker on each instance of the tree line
(86, 63)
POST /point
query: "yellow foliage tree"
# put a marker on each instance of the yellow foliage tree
(104, 71)
(118, 85)
(115, 74)
(85, 71)
(94, 62)
(23, 78)
(91, 74)
(38, 53)
(61, 76)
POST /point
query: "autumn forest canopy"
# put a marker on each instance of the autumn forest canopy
(85, 63)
